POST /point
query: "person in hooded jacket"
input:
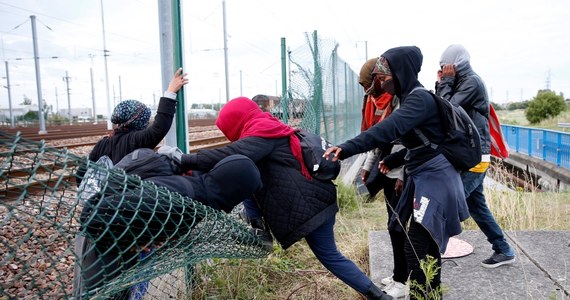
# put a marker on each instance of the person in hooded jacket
(377, 106)
(294, 205)
(462, 86)
(432, 200)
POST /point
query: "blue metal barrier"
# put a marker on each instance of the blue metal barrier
(549, 145)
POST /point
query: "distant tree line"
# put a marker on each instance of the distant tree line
(546, 104)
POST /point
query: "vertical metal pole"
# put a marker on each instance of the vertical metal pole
(170, 24)
(56, 102)
(66, 78)
(284, 98)
(318, 84)
(240, 84)
(120, 90)
(366, 49)
(345, 134)
(38, 77)
(109, 108)
(9, 95)
(334, 95)
(226, 53)
(177, 38)
(93, 97)
(346, 101)
(289, 74)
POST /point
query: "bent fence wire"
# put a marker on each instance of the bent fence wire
(129, 236)
(323, 95)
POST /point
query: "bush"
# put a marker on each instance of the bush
(545, 105)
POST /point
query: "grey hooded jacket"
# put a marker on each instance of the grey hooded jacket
(468, 90)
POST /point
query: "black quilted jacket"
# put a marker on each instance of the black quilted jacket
(293, 205)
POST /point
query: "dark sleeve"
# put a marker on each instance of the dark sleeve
(155, 132)
(464, 94)
(411, 114)
(395, 159)
(255, 148)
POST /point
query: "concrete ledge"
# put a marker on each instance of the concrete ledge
(544, 169)
(541, 271)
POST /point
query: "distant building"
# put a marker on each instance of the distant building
(202, 113)
(83, 113)
(17, 112)
(265, 102)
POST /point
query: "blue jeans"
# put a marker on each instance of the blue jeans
(322, 243)
(479, 211)
(252, 210)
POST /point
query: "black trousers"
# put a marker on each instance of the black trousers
(417, 248)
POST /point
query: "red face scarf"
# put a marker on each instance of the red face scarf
(241, 117)
(372, 104)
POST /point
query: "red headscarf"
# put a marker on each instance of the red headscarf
(241, 117)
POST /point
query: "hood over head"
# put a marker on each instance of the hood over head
(456, 55)
(405, 63)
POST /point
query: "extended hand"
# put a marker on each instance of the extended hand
(382, 167)
(173, 153)
(364, 175)
(332, 150)
(177, 81)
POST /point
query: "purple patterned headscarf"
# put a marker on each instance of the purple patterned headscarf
(131, 114)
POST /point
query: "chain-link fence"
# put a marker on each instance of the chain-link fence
(323, 95)
(122, 234)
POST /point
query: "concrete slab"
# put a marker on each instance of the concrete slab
(540, 272)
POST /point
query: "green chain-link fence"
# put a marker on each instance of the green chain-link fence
(323, 95)
(130, 232)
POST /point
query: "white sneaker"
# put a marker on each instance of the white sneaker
(387, 281)
(397, 290)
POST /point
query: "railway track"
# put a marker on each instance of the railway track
(62, 132)
(34, 177)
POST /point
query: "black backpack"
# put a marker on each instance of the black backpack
(313, 146)
(146, 163)
(462, 143)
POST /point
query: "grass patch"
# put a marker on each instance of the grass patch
(296, 273)
(517, 117)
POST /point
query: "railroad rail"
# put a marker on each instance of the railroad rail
(20, 177)
(58, 132)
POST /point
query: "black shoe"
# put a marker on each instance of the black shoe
(261, 230)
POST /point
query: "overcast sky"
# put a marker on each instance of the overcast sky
(518, 47)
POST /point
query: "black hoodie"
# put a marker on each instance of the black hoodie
(417, 110)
